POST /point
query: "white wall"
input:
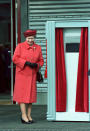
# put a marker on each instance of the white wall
(71, 35)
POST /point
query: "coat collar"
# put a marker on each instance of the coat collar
(28, 46)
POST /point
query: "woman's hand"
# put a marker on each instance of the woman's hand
(35, 65)
(32, 65)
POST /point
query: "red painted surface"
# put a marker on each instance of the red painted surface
(14, 37)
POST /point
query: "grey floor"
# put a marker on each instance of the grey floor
(10, 121)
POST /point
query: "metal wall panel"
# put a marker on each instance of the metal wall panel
(40, 11)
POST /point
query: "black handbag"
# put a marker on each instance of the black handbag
(39, 77)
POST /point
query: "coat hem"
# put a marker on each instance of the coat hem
(25, 102)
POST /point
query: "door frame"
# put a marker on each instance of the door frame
(15, 36)
(50, 36)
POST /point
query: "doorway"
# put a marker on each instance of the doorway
(7, 45)
(5, 51)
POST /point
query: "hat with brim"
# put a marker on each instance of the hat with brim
(29, 33)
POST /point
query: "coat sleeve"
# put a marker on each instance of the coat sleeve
(41, 60)
(17, 57)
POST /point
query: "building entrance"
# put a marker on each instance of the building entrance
(7, 46)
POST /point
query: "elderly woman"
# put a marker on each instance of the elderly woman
(28, 59)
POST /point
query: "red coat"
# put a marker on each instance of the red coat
(25, 78)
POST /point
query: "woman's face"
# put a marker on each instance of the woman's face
(30, 40)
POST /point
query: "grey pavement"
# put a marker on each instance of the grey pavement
(10, 121)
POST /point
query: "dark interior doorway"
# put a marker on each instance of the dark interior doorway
(5, 50)
(9, 14)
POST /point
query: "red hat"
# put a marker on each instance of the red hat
(29, 33)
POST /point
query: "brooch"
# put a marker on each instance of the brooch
(34, 48)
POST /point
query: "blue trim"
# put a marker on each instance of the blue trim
(71, 24)
(51, 70)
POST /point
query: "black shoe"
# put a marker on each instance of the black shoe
(32, 121)
(25, 122)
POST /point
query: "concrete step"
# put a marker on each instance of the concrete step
(5, 102)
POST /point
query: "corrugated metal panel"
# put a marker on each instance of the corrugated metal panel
(39, 11)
